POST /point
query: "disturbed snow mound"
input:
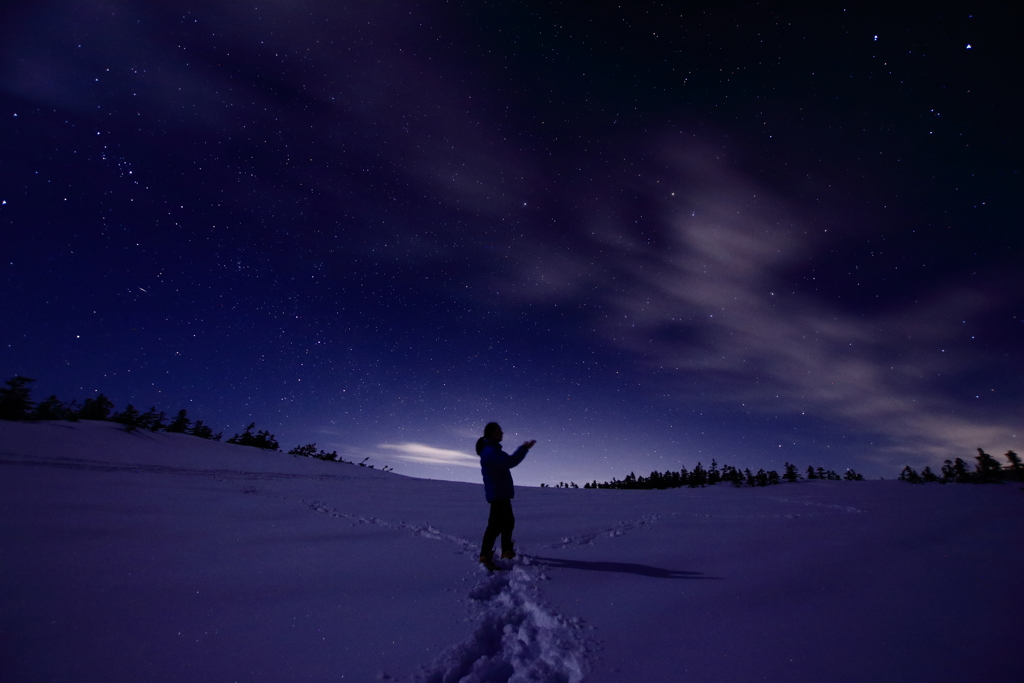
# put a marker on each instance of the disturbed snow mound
(516, 639)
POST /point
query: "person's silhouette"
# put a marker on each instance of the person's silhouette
(495, 465)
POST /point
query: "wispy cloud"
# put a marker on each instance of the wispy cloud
(429, 455)
(708, 301)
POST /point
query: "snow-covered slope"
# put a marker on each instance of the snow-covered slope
(162, 557)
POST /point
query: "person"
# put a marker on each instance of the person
(495, 465)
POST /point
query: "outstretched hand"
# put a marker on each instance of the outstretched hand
(528, 444)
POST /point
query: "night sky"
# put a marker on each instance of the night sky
(645, 234)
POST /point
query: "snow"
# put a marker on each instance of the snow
(164, 557)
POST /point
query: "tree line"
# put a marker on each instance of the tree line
(727, 474)
(16, 404)
(987, 470)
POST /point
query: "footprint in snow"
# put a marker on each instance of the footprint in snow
(620, 529)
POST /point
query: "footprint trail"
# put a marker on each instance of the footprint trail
(516, 636)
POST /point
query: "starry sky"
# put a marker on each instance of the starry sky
(645, 234)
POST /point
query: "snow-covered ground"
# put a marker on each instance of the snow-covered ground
(164, 557)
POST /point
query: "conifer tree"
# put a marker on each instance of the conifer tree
(261, 439)
(791, 474)
(698, 477)
(72, 411)
(988, 469)
(736, 477)
(810, 473)
(152, 420)
(200, 430)
(960, 471)
(909, 475)
(714, 476)
(129, 417)
(16, 398)
(50, 409)
(927, 475)
(1016, 468)
(180, 424)
(98, 408)
(684, 477)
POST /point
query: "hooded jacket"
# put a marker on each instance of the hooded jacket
(495, 465)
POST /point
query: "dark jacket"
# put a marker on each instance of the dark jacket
(495, 465)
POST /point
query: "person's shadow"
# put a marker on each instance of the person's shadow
(621, 567)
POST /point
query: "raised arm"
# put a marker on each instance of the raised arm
(493, 455)
(520, 453)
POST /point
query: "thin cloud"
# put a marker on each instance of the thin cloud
(870, 370)
(429, 455)
(706, 301)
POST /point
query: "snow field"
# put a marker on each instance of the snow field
(163, 557)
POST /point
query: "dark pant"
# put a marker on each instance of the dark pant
(500, 522)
